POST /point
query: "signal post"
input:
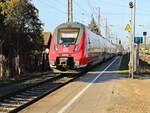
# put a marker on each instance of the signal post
(131, 29)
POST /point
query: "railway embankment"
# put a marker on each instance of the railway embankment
(144, 65)
(8, 86)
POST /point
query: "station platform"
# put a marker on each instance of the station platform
(101, 90)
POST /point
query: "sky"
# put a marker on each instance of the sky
(116, 12)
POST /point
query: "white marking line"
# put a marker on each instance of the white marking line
(80, 93)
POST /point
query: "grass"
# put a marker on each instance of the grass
(109, 108)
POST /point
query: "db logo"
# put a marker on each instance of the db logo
(65, 50)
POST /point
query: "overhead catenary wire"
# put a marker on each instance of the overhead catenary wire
(85, 13)
(48, 10)
(52, 6)
(82, 10)
(58, 2)
(63, 13)
(91, 6)
(139, 12)
(112, 3)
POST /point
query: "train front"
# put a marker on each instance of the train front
(67, 48)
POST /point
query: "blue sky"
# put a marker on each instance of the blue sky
(117, 12)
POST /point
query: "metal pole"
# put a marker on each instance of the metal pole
(98, 19)
(138, 68)
(106, 30)
(145, 43)
(131, 64)
(116, 40)
(132, 45)
(135, 48)
(70, 11)
(134, 17)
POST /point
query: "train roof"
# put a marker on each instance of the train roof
(70, 25)
(78, 25)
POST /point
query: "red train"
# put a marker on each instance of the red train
(74, 47)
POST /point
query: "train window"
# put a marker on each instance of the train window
(68, 37)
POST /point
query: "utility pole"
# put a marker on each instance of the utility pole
(116, 40)
(131, 40)
(70, 11)
(98, 19)
(106, 29)
(136, 58)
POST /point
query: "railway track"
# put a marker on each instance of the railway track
(18, 100)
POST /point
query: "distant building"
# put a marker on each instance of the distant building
(144, 48)
(47, 39)
(147, 39)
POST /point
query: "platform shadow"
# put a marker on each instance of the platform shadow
(106, 76)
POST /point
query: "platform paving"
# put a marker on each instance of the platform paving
(98, 91)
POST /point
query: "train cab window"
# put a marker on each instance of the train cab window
(68, 37)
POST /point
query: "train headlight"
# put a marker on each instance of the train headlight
(52, 63)
(75, 48)
(77, 63)
(56, 48)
